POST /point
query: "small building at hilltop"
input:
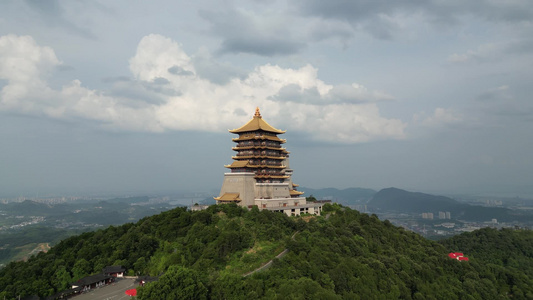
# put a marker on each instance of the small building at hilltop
(260, 174)
(91, 282)
(114, 271)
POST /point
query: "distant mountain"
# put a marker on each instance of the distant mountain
(142, 199)
(397, 200)
(350, 196)
(36, 208)
(393, 199)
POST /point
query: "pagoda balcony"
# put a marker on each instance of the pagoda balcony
(256, 166)
(247, 137)
(267, 166)
(267, 176)
(266, 163)
(257, 143)
(257, 147)
(251, 156)
(269, 171)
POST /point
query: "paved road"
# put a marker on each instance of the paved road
(110, 292)
(269, 263)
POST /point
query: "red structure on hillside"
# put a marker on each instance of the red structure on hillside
(458, 256)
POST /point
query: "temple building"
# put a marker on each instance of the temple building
(260, 174)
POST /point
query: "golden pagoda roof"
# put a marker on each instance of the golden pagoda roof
(238, 164)
(229, 197)
(255, 124)
(295, 192)
(295, 185)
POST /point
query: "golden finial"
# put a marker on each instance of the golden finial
(257, 113)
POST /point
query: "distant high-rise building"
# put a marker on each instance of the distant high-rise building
(427, 215)
(448, 215)
(260, 174)
(442, 215)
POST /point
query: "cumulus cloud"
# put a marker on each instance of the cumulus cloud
(167, 93)
(24, 65)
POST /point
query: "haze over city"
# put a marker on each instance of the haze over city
(136, 97)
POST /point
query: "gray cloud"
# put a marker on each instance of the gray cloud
(247, 33)
(3, 82)
(382, 27)
(294, 93)
(140, 93)
(53, 14)
(177, 70)
(323, 31)
(522, 46)
(116, 79)
(240, 112)
(161, 81)
(214, 71)
(371, 16)
(264, 46)
(502, 104)
(338, 94)
(500, 93)
(64, 68)
(358, 10)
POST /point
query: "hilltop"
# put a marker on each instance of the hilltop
(341, 255)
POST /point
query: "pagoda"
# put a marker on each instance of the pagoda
(260, 174)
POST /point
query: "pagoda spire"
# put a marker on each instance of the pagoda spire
(257, 113)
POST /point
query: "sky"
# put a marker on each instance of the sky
(134, 97)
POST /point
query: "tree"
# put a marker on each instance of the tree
(62, 279)
(311, 198)
(177, 283)
(81, 269)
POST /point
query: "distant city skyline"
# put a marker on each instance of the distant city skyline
(136, 98)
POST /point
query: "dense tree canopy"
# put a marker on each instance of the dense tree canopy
(341, 255)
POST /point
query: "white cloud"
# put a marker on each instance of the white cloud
(24, 65)
(187, 101)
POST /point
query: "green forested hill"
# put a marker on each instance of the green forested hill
(507, 253)
(203, 255)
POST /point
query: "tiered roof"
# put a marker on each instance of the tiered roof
(255, 124)
(256, 143)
